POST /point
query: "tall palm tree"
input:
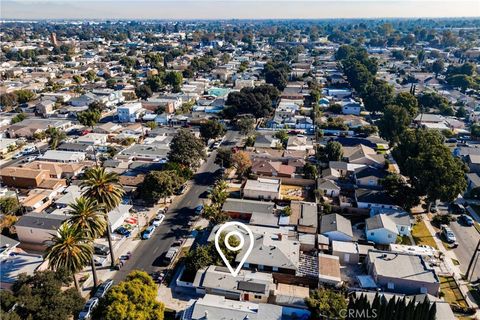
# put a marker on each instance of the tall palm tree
(70, 249)
(86, 216)
(106, 189)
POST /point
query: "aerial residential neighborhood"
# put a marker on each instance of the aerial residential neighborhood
(347, 152)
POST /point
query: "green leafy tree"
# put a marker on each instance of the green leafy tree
(134, 298)
(331, 152)
(70, 249)
(432, 100)
(8, 101)
(55, 137)
(143, 92)
(224, 157)
(394, 122)
(97, 106)
(9, 205)
(41, 297)
(24, 95)
(282, 135)
(106, 189)
(430, 166)
(213, 211)
(198, 258)
(326, 303)
(174, 79)
(377, 96)
(403, 194)
(151, 125)
(475, 130)
(407, 101)
(186, 149)
(212, 129)
(85, 214)
(18, 118)
(310, 171)
(181, 170)
(89, 118)
(245, 125)
(437, 67)
(158, 185)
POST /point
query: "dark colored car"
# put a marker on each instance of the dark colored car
(456, 208)
(466, 220)
(123, 231)
(101, 249)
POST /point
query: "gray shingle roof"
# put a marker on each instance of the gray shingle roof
(335, 222)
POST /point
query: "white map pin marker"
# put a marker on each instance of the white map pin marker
(240, 236)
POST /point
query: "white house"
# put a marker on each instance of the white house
(129, 112)
(262, 189)
(351, 107)
(381, 229)
(37, 228)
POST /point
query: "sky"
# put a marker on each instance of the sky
(235, 9)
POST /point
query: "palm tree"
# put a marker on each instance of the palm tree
(106, 189)
(70, 249)
(56, 136)
(86, 216)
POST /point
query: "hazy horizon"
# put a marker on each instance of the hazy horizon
(237, 9)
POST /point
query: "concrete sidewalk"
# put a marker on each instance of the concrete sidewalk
(454, 269)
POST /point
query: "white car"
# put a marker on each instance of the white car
(17, 155)
(30, 158)
(158, 220)
(86, 312)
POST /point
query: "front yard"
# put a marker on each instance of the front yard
(451, 293)
(421, 235)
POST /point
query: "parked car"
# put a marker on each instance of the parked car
(103, 289)
(216, 145)
(101, 249)
(199, 209)
(433, 208)
(123, 231)
(181, 190)
(99, 260)
(457, 208)
(147, 234)
(17, 155)
(158, 220)
(30, 158)
(158, 276)
(87, 310)
(170, 255)
(466, 220)
(448, 234)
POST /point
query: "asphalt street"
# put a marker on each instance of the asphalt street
(149, 253)
(467, 238)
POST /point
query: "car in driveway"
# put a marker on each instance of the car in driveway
(448, 234)
(147, 234)
(466, 220)
(158, 220)
(87, 310)
(123, 231)
(103, 289)
(17, 155)
(433, 208)
(199, 209)
(100, 261)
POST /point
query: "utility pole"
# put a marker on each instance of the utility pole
(470, 264)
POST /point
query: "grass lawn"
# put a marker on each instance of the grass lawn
(421, 235)
(404, 240)
(451, 292)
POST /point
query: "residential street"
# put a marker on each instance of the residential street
(467, 238)
(148, 255)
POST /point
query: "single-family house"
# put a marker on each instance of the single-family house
(336, 227)
(402, 273)
(262, 188)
